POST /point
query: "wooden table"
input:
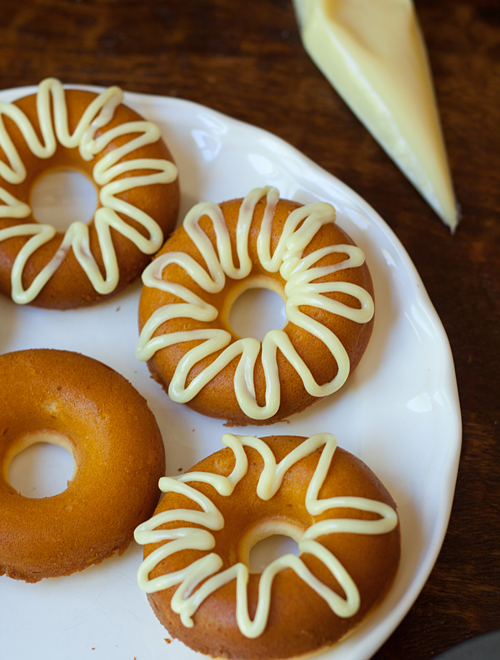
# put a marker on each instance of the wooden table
(246, 60)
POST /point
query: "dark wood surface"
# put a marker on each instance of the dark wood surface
(245, 59)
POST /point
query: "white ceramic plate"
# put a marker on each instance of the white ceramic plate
(399, 412)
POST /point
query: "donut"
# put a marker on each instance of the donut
(135, 180)
(86, 407)
(219, 252)
(195, 569)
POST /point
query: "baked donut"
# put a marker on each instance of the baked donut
(92, 411)
(219, 252)
(136, 184)
(195, 569)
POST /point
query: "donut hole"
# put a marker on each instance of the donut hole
(267, 550)
(42, 464)
(267, 541)
(62, 196)
(256, 306)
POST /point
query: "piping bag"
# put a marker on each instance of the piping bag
(373, 53)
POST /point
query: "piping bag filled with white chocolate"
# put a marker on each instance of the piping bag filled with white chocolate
(374, 55)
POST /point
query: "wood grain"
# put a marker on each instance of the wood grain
(246, 60)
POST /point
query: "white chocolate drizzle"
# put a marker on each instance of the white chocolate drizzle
(54, 129)
(207, 570)
(300, 289)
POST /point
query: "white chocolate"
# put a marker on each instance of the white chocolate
(55, 130)
(188, 597)
(299, 273)
(373, 53)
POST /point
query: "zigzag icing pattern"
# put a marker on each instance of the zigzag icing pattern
(299, 273)
(55, 130)
(189, 596)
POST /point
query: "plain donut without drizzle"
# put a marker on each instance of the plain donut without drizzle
(95, 413)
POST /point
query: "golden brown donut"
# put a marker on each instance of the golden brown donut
(197, 547)
(136, 184)
(97, 415)
(189, 289)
